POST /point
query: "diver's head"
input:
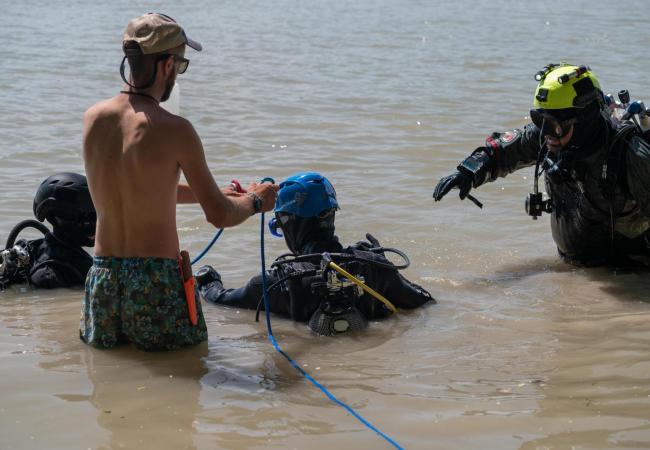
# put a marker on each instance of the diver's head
(64, 200)
(305, 210)
(567, 105)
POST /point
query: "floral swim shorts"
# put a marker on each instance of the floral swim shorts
(138, 300)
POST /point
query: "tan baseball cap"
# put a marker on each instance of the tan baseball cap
(156, 33)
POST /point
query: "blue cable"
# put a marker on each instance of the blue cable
(208, 247)
(216, 236)
(294, 364)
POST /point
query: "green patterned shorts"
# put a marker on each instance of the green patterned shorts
(138, 300)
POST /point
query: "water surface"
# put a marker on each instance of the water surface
(384, 97)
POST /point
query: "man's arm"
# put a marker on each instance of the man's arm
(185, 194)
(220, 210)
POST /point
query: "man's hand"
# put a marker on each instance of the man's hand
(267, 193)
(458, 180)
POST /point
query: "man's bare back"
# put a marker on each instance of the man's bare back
(134, 151)
(131, 151)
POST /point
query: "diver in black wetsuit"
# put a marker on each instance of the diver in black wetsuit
(301, 285)
(597, 171)
(57, 259)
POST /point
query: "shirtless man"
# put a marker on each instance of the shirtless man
(134, 152)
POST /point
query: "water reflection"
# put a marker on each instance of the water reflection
(596, 394)
(147, 399)
(141, 400)
(249, 385)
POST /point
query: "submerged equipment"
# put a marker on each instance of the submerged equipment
(337, 311)
(338, 290)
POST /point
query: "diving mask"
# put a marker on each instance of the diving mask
(551, 125)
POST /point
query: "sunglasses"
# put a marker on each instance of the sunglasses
(183, 63)
(551, 126)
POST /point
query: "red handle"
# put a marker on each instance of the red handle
(188, 285)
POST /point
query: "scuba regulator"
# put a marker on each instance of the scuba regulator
(14, 264)
(15, 259)
(337, 311)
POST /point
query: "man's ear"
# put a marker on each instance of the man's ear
(168, 65)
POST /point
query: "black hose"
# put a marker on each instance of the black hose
(276, 284)
(401, 254)
(20, 226)
(352, 257)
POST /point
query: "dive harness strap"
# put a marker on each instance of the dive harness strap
(610, 174)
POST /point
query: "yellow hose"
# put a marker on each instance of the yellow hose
(363, 286)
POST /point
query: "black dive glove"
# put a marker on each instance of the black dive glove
(366, 246)
(460, 179)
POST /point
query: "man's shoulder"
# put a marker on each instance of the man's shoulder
(175, 128)
(102, 108)
(178, 123)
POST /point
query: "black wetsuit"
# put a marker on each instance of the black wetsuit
(596, 219)
(52, 263)
(294, 297)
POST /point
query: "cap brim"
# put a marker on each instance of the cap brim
(192, 43)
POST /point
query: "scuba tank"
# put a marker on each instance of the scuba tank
(624, 110)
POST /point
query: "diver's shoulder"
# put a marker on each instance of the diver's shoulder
(638, 147)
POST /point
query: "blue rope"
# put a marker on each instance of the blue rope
(216, 236)
(208, 247)
(294, 364)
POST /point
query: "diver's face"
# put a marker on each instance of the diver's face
(555, 129)
(555, 144)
